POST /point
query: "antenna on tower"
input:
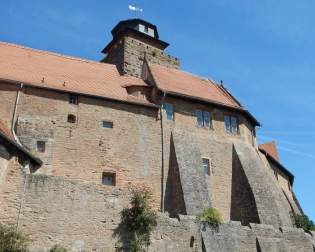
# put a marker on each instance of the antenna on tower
(135, 9)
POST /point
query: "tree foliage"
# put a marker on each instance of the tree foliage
(302, 221)
(12, 240)
(58, 248)
(211, 216)
(140, 220)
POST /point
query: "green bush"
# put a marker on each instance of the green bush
(58, 248)
(302, 221)
(211, 216)
(12, 240)
(140, 220)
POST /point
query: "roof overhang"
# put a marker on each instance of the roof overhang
(22, 149)
(128, 30)
(278, 164)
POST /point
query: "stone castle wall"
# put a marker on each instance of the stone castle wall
(83, 216)
(133, 148)
(84, 150)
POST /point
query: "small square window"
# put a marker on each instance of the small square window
(169, 108)
(73, 99)
(72, 118)
(107, 124)
(41, 146)
(109, 178)
(206, 166)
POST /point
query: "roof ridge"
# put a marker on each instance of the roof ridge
(54, 54)
(227, 93)
(184, 71)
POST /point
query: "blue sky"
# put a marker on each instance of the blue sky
(262, 50)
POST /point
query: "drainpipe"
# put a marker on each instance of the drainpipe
(162, 145)
(15, 113)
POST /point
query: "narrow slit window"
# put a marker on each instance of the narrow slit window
(234, 127)
(206, 166)
(107, 124)
(207, 120)
(72, 118)
(169, 108)
(109, 178)
(227, 123)
(73, 99)
(41, 146)
(199, 119)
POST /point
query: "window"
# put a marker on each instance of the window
(73, 99)
(109, 178)
(207, 119)
(107, 124)
(199, 119)
(203, 119)
(289, 185)
(146, 29)
(276, 174)
(71, 118)
(231, 124)
(41, 146)
(169, 108)
(206, 166)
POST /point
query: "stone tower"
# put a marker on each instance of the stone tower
(133, 41)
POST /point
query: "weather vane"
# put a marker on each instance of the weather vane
(135, 9)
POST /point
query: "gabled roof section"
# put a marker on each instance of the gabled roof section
(59, 72)
(271, 149)
(177, 82)
(271, 153)
(6, 133)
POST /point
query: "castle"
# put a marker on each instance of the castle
(92, 130)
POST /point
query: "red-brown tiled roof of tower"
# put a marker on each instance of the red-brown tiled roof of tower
(271, 149)
(55, 71)
(6, 132)
(179, 82)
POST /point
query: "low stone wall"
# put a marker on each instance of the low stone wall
(84, 217)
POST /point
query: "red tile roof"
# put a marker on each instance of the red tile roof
(55, 71)
(176, 81)
(6, 132)
(271, 149)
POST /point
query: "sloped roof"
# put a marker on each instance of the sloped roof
(181, 82)
(59, 72)
(178, 82)
(271, 149)
(6, 133)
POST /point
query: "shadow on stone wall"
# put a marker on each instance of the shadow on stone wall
(174, 202)
(243, 205)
